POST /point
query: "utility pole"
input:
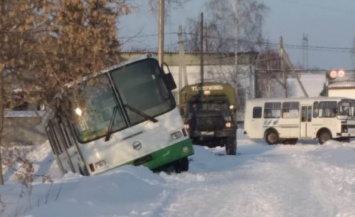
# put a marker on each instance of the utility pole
(161, 31)
(305, 51)
(283, 69)
(2, 93)
(201, 50)
(236, 12)
(285, 58)
(295, 74)
(182, 68)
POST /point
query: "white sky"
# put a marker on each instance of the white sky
(305, 179)
(327, 23)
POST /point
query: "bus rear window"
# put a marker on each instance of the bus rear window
(257, 112)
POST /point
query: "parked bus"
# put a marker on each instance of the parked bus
(123, 115)
(285, 120)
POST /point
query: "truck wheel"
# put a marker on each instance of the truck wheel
(271, 137)
(182, 165)
(231, 146)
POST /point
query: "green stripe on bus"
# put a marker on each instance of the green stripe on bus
(170, 154)
(165, 156)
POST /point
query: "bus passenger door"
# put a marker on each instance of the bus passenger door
(306, 119)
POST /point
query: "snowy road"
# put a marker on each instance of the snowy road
(302, 180)
(262, 181)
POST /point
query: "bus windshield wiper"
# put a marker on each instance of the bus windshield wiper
(141, 113)
(109, 130)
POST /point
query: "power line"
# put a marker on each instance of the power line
(289, 46)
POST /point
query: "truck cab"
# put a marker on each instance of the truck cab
(208, 111)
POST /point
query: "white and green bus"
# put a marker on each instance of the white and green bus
(123, 115)
(285, 120)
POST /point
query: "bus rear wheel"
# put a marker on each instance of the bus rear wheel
(271, 137)
(324, 136)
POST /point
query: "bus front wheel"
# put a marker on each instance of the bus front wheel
(324, 136)
(182, 165)
(271, 137)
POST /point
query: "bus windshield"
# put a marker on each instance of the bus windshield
(141, 86)
(143, 96)
(94, 105)
(347, 109)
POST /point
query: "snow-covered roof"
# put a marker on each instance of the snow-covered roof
(342, 84)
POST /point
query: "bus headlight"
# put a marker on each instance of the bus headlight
(176, 135)
(185, 149)
(100, 164)
(228, 124)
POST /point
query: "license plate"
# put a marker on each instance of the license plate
(207, 133)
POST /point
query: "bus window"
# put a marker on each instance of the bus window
(290, 109)
(306, 115)
(327, 109)
(315, 109)
(257, 112)
(272, 110)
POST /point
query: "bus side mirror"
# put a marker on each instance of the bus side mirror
(169, 80)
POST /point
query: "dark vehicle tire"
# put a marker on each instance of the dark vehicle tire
(231, 146)
(82, 171)
(271, 137)
(182, 165)
(290, 141)
(324, 136)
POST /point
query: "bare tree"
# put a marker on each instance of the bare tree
(226, 19)
(232, 27)
(45, 44)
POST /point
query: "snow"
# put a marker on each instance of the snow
(306, 179)
(11, 114)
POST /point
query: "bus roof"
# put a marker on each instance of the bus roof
(324, 98)
(123, 63)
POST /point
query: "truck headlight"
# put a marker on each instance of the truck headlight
(228, 124)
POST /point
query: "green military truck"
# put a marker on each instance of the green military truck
(208, 110)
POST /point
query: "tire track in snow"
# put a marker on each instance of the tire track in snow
(272, 184)
(333, 187)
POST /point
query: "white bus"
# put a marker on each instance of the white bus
(285, 120)
(123, 115)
